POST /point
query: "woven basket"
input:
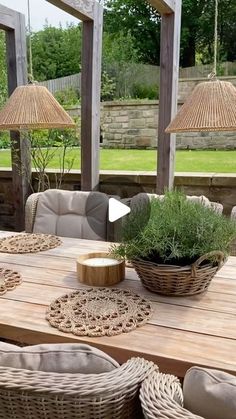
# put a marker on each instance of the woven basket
(179, 280)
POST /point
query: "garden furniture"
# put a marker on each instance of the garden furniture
(68, 381)
(206, 394)
(68, 213)
(182, 331)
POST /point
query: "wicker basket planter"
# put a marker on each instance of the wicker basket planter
(179, 280)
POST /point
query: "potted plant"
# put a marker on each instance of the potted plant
(175, 245)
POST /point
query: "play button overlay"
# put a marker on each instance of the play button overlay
(106, 205)
(117, 210)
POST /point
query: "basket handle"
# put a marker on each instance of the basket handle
(220, 260)
(128, 264)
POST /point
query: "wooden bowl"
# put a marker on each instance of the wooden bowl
(100, 275)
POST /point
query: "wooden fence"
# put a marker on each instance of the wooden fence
(63, 83)
(199, 71)
(127, 75)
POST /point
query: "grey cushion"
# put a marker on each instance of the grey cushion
(210, 393)
(61, 358)
(72, 214)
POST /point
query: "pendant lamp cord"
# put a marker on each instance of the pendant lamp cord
(30, 72)
(215, 36)
(212, 75)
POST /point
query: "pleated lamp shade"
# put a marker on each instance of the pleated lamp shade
(33, 107)
(210, 107)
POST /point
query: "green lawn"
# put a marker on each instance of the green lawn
(186, 161)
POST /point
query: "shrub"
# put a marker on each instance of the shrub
(108, 87)
(67, 97)
(5, 141)
(145, 91)
(174, 230)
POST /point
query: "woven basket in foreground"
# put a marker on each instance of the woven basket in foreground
(179, 280)
(28, 394)
(162, 398)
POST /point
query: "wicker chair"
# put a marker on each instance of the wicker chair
(74, 203)
(30, 211)
(162, 398)
(142, 198)
(28, 394)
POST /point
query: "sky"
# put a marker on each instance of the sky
(40, 10)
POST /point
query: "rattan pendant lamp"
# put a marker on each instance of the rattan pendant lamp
(32, 106)
(212, 104)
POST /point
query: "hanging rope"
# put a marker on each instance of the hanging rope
(30, 72)
(212, 75)
(215, 36)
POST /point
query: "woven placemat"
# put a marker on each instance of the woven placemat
(28, 243)
(8, 280)
(99, 312)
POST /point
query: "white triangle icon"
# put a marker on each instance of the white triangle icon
(116, 210)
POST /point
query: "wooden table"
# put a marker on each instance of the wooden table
(197, 330)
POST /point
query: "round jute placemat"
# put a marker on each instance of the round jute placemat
(8, 280)
(99, 312)
(28, 243)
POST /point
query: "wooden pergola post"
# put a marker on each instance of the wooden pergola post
(170, 11)
(14, 25)
(91, 13)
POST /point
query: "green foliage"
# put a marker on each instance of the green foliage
(138, 19)
(119, 47)
(178, 231)
(197, 28)
(56, 52)
(5, 141)
(54, 138)
(145, 91)
(108, 87)
(67, 97)
(204, 33)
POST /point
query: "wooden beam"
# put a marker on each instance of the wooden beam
(90, 99)
(169, 73)
(7, 18)
(17, 75)
(91, 13)
(82, 9)
(164, 6)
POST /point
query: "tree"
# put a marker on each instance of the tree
(119, 48)
(197, 33)
(138, 19)
(191, 13)
(56, 52)
(226, 31)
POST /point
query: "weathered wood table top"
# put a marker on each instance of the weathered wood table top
(183, 331)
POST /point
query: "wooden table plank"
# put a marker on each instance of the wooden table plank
(216, 301)
(174, 350)
(166, 315)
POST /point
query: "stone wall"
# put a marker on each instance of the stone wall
(133, 124)
(187, 85)
(129, 124)
(217, 187)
